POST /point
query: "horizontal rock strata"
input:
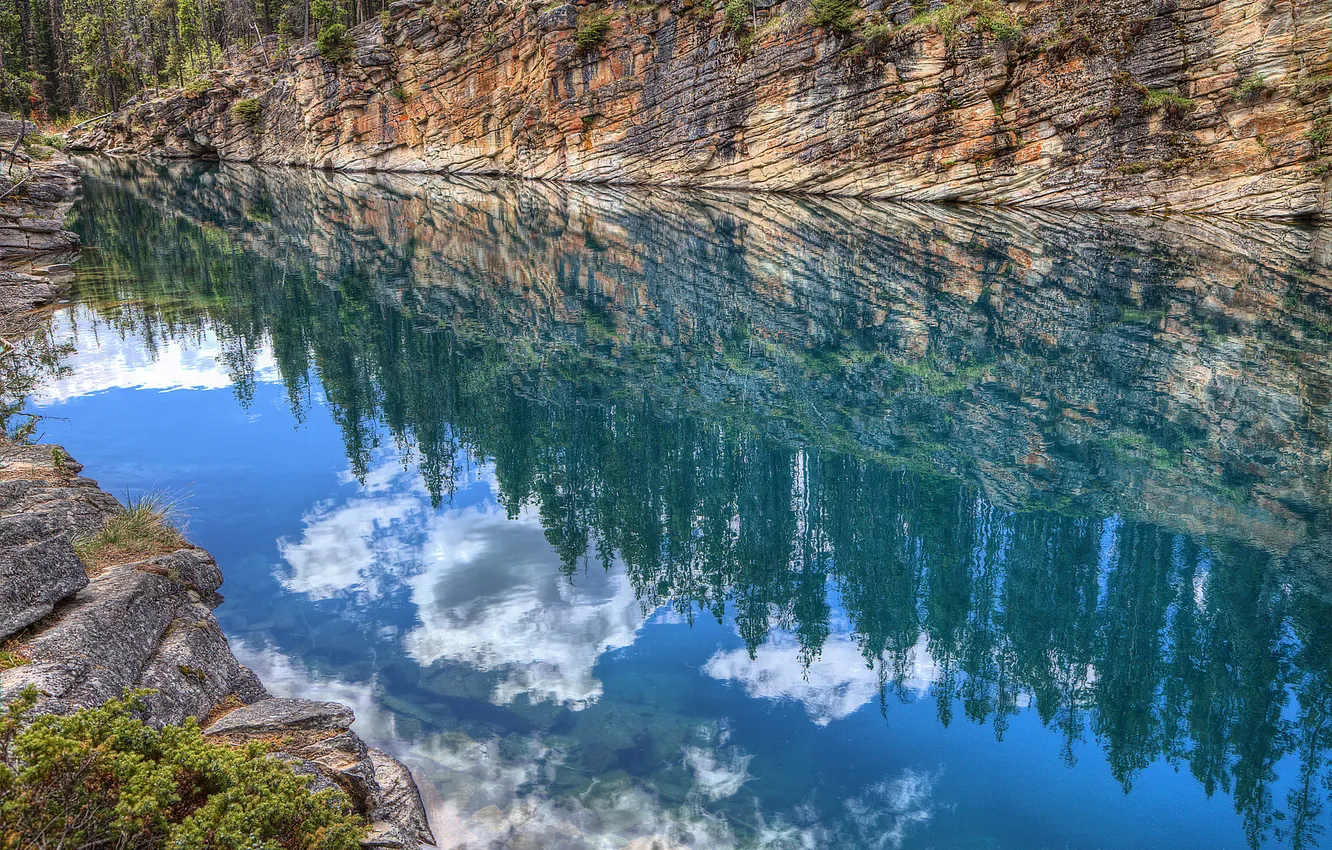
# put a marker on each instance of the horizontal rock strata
(38, 185)
(1199, 105)
(82, 640)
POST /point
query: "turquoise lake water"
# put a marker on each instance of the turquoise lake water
(656, 519)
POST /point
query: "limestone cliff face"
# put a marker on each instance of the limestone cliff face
(1198, 105)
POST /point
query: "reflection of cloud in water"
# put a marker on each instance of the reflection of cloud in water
(886, 812)
(105, 361)
(719, 770)
(488, 590)
(493, 597)
(499, 792)
(832, 687)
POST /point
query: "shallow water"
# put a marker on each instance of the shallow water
(659, 519)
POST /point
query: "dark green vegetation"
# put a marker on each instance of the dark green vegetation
(334, 44)
(29, 357)
(1056, 526)
(249, 110)
(102, 778)
(593, 27)
(68, 57)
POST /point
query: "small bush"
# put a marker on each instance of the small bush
(877, 34)
(990, 16)
(1321, 132)
(50, 140)
(400, 94)
(247, 110)
(197, 87)
(1174, 105)
(1251, 87)
(145, 529)
(834, 15)
(334, 44)
(385, 18)
(592, 31)
(737, 15)
(100, 777)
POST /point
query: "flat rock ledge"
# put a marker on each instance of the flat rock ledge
(149, 624)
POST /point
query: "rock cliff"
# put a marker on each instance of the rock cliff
(38, 185)
(1194, 105)
(84, 635)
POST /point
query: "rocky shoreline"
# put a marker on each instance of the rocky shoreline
(83, 633)
(82, 636)
(38, 186)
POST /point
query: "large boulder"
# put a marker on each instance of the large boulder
(38, 569)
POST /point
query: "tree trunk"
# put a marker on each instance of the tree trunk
(64, 95)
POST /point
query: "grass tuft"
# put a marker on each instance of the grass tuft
(1174, 105)
(146, 528)
(834, 15)
(12, 656)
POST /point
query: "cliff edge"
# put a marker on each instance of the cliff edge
(1216, 106)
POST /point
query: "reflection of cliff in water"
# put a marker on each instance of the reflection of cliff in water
(1083, 460)
(1167, 368)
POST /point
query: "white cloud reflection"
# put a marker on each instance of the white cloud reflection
(488, 589)
(499, 792)
(104, 360)
(490, 596)
(831, 687)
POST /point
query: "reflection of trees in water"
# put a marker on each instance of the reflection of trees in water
(1201, 650)
(29, 357)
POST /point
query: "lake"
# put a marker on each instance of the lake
(636, 518)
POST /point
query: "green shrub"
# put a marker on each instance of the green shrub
(737, 15)
(197, 87)
(1251, 87)
(385, 18)
(592, 31)
(101, 777)
(835, 15)
(990, 16)
(334, 44)
(1174, 105)
(247, 110)
(877, 34)
(400, 94)
(48, 140)
(1321, 132)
